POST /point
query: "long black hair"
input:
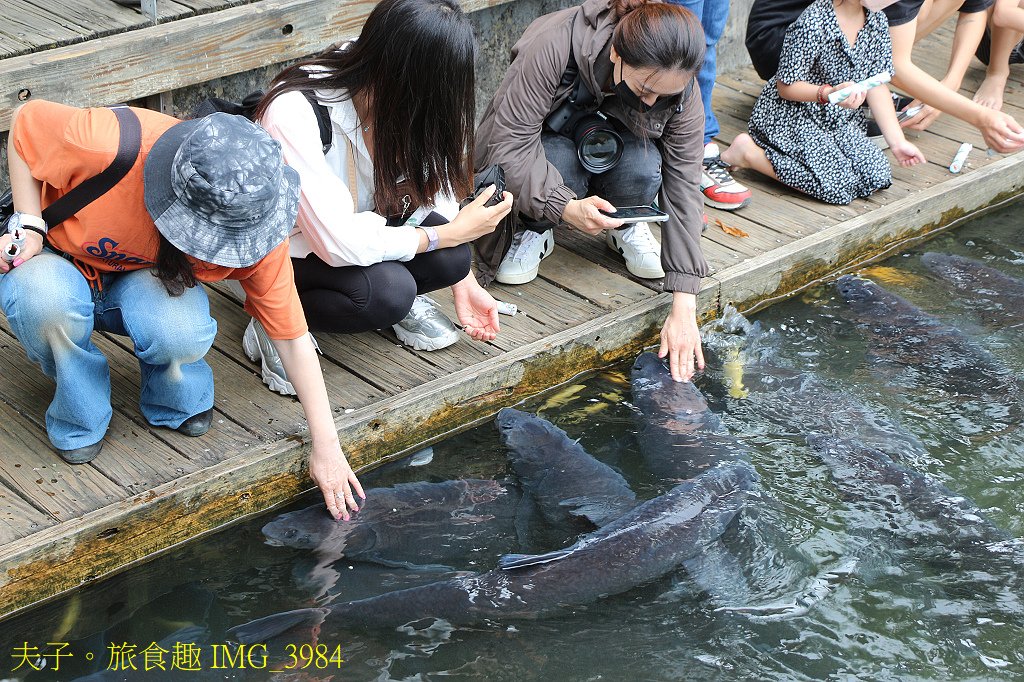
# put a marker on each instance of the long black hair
(173, 268)
(413, 63)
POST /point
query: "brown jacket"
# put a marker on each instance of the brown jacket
(509, 134)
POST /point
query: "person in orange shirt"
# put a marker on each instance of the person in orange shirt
(206, 200)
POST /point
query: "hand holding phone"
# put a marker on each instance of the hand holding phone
(492, 175)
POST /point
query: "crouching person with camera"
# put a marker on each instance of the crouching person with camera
(598, 111)
(121, 214)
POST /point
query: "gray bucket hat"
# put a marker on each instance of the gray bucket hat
(217, 189)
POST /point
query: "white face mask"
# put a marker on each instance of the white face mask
(876, 5)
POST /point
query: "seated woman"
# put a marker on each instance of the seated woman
(379, 223)
(801, 139)
(909, 21)
(634, 63)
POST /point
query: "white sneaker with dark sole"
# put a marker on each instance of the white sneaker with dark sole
(640, 249)
(522, 262)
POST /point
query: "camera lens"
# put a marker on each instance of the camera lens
(598, 146)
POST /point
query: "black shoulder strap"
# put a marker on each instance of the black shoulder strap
(128, 145)
(323, 120)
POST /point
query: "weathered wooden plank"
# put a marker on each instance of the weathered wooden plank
(57, 559)
(603, 288)
(18, 518)
(387, 365)
(194, 50)
(760, 237)
(544, 308)
(30, 466)
(39, 28)
(132, 456)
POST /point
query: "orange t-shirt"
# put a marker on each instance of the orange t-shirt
(64, 146)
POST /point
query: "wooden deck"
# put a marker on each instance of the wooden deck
(61, 526)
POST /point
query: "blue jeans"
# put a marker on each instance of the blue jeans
(713, 15)
(634, 181)
(53, 312)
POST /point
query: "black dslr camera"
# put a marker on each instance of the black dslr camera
(598, 145)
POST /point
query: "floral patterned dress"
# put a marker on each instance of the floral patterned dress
(823, 150)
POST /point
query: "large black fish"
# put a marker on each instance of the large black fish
(998, 297)
(679, 435)
(640, 546)
(917, 507)
(410, 525)
(941, 356)
(564, 479)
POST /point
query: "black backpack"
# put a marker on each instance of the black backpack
(247, 107)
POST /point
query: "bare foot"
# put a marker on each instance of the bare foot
(990, 92)
(737, 154)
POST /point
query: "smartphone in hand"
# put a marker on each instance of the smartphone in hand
(493, 175)
(638, 214)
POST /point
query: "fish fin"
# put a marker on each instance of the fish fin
(525, 511)
(589, 509)
(406, 565)
(262, 629)
(512, 561)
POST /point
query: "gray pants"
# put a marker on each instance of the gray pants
(634, 181)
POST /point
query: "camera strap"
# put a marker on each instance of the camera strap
(579, 97)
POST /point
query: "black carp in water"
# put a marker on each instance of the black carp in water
(409, 525)
(564, 479)
(941, 355)
(916, 507)
(679, 435)
(642, 545)
(1003, 294)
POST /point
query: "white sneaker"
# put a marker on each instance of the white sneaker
(426, 327)
(640, 249)
(521, 263)
(257, 346)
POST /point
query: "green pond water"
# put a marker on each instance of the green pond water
(871, 596)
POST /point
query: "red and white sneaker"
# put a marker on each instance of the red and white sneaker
(718, 187)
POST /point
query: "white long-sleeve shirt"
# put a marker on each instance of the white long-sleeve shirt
(328, 224)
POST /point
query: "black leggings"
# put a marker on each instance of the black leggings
(358, 298)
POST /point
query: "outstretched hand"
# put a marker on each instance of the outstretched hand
(476, 309)
(906, 153)
(330, 470)
(680, 338)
